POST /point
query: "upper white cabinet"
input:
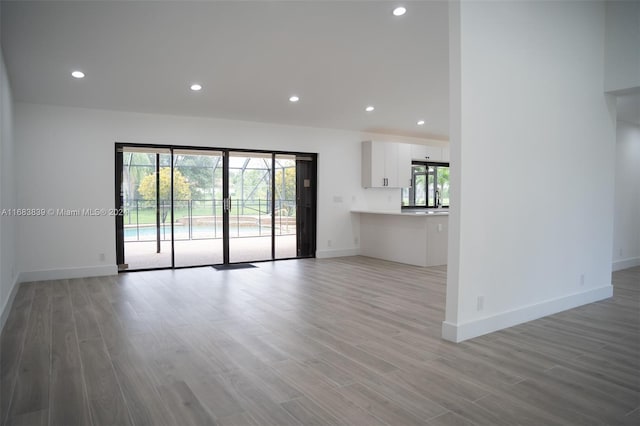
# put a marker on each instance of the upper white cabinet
(404, 165)
(385, 165)
(426, 153)
(388, 164)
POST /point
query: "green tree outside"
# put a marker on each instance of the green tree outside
(181, 190)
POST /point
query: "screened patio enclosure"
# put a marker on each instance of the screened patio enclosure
(190, 207)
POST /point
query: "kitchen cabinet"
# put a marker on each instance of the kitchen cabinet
(426, 153)
(385, 164)
(404, 165)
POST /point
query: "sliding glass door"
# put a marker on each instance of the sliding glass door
(198, 207)
(285, 206)
(193, 207)
(145, 233)
(250, 208)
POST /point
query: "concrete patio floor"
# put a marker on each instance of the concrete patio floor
(142, 254)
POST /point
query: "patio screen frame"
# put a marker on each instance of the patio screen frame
(306, 250)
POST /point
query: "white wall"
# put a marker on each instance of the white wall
(66, 160)
(533, 148)
(8, 272)
(626, 232)
(622, 52)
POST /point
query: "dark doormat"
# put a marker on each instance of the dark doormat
(233, 266)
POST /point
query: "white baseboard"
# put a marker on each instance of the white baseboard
(67, 273)
(459, 332)
(4, 314)
(325, 254)
(625, 263)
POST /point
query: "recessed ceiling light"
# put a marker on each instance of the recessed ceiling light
(421, 123)
(196, 87)
(77, 74)
(369, 108)
(294, 98)
(399, 11)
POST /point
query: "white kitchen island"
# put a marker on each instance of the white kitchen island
(414, 237)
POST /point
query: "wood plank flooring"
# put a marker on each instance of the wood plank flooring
(348, 341)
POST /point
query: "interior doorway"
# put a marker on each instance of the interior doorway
(187, 207)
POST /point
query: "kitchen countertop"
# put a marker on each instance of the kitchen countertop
(411, 212)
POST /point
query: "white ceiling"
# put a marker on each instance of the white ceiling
(338, 56)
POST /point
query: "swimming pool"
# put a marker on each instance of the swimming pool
(182, 232)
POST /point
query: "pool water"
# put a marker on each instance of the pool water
(181, 232)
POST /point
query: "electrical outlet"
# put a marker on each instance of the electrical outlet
(620, 252)
(328, 243)
(480, 304)
(101, 257)
(581, 280)
(356, 240)
(337, 199)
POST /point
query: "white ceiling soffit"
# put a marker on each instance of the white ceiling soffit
(629, 108)
(249, 56)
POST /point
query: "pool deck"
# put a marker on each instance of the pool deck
(142, 255)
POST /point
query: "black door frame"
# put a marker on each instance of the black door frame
(311, 228)
(226, 207)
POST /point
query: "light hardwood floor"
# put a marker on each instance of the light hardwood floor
(350, 341)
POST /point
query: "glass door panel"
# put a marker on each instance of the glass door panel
(250, 206)
(285, 206)
(145, 198)
(197, 207)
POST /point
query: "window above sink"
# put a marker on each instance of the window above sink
(429, 186)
